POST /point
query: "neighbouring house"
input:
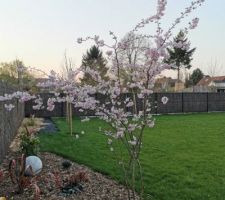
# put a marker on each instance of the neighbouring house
(212, 84)
(164, 84)
(179, 86)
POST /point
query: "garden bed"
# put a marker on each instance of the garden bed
(99, 186)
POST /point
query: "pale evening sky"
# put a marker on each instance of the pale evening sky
(39, 31)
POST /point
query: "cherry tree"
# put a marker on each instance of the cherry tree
(127, 122)
(128, 125)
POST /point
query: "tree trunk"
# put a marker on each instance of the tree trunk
(178, 73)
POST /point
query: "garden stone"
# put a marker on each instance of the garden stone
(36, 165)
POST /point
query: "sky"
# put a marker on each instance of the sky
(39, 32)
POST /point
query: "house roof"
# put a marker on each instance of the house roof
(207, 80)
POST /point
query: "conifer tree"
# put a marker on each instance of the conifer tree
(94, 59)
(181, 54)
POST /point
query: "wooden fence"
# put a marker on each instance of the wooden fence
(9, 121)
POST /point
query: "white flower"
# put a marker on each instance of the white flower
(86, 119)
(50, 104)
(101, 43)
(131, 127)
(119, 134)
(130, 104)
(50, 107)
(193, 24)
(109, 141)
(133, 142)
(111, 149)
(77, 136)
(82, 132)
(151, 123)
(140, 96)
(9, 107)
(164, 100)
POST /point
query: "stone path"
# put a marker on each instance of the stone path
(48, 126)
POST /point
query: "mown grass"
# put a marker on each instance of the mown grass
(183, 156)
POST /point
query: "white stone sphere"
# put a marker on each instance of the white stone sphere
(35, 163)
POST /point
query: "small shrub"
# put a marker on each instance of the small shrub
(31, 121)
(70, 184)
(29, 143)
(79, 177)
(66, 164)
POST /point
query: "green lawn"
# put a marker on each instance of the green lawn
(183, 156)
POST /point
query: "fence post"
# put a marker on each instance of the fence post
(156, 103)
(207, 102)
(182, 102)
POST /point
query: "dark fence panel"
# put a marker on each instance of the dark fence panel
(57, 112)
(174, 105)
(216, 101)
(194, 102)
(9, 121)
(178, 103)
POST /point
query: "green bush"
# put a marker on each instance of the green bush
(31, 121)
(29, 143)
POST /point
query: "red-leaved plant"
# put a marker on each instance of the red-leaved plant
(17, 169)
(1, 176)
(74, 179)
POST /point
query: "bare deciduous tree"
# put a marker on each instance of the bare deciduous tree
(214, 68)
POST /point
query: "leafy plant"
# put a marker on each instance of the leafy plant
(17, 171)
(29, 143)
(31, 121)
(66, 164)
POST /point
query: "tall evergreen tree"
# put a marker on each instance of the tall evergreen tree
(181, 54)
(196, 76)
(94, 60)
